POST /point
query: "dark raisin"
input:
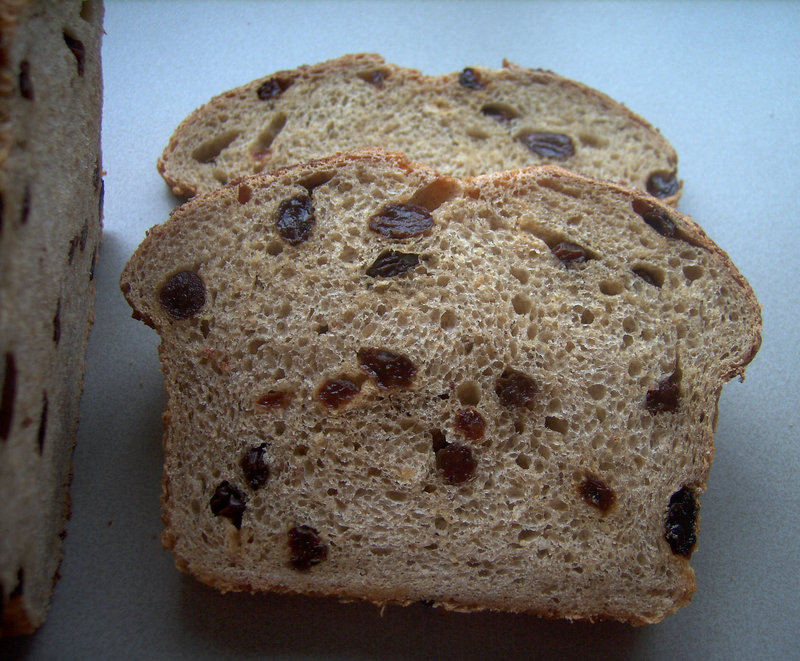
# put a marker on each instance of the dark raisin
(391, 263)
(438, 440)
(470, 423)
(229, 502)
(96, 175)
(25, 84)
(662, 185)
(42, 425)
(657, 218)
(679, 526)
(183, 294)
(337, 393)
(455, 463)
(570, 253)
(306, 547)
(664, 397)
(275, 399)
(295, 219)
(390, 370)
(555, 146)
(401, 221)
(78, 51)
(515, 389)
(273, 88)
(26, 204)
(597, 493)
(374, 77)
(57, 323)
(645, 275)
(84, 235)
(9, 394)
(500, 112)
(255, 467)
(470, 79)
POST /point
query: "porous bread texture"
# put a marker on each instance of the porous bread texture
(488, 295)
(461, 130)
(50, 199)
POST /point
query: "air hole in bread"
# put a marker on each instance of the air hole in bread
(261, 145)
(8, 396)
(89, 10)
(693, 272)
(611, 287)
(436, 193)
(652, 275)
(78, 50)
(374, 77)
(520, 274)
(448, 320)
(500, 112)
(597, 391)
(556, 424)
(587, 317)
(523, 461)
(208, 151)
(469, 393)
(522, 304)
(315, 180)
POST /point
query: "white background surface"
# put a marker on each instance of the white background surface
(721, 81)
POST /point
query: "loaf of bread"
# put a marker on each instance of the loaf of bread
(50, 201)
(490, 393)
(463, 124)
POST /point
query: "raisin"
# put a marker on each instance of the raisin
(679, 526)
(183, 294)
(556, 146)
(295, 219)
(96, 174)
(337, 393)
(229, 502)
(662, 185)
(9, 394)
(664, 397)
(570, 253)
(42, 426)
(470, 423)
(401, 221)
(657, 218)
(499, 112)
(645, 275)
(273, 88)
(255, 467)
(515, 389)
(595, 492)
(391, 263)
(438, 440)
(275, 399)
(94, 263)
(306, 547)
(25, 84)
(455, 463)
(390, 370)
(57, 323)
(78, 50)
(470, 79)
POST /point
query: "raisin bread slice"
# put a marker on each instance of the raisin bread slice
(50, 199)
(463, 124)
(489, 393)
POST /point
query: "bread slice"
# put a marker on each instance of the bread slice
(50, 200)
(489, 393)
(463, 124)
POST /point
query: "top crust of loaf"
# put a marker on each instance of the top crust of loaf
(461, 127)
(563, 511)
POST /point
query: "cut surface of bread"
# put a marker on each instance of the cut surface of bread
(50, 208)
(463, 124)
(490, 393)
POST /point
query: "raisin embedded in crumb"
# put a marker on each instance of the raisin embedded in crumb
(275, 399)
(570, 253)
(306, 547)
(390, 370)
(438, 440)
(391, 263)
(255, 467)
(555, 146)
(295, 219)
(657, 218)
(456, 463)
(76, 46)
(515, 388)
(57, 323)
(401, 221)
(595, 492)
(662, 185)
(679, 526)
(25, 84)
(664, 397)
(470, 79)
(42, 425)
(337, 393)
(8, 395)
(273, 88)
(229, 502)
(470, 423)
(183, 294)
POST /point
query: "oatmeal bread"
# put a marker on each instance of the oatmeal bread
(50, 199)
(463, 124)
(488, 393)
